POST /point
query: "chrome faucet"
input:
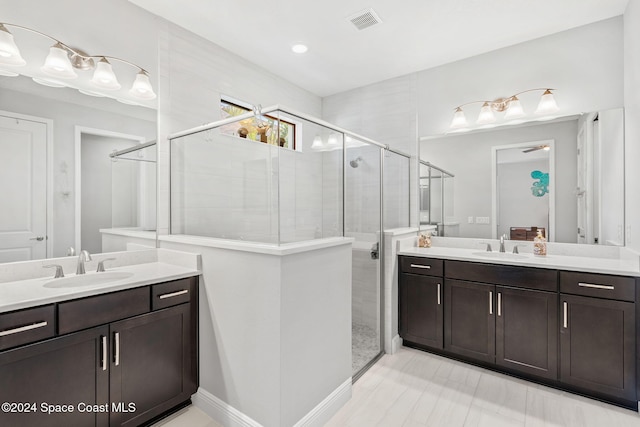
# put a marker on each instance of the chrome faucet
(504, 236)
(82, 258)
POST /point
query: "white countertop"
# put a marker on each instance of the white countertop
(22, 284)
(30, 293)
(617, 266)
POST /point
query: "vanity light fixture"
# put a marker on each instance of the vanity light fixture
(63, 61)
(511, 106)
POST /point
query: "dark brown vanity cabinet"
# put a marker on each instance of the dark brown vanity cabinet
(598, 334)
(470, 321)
(504, 315)
(421, 301)
(527, 331)
(68, 370)
(138, 364)
(573, 330)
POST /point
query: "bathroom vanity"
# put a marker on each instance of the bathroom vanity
(121, 354)
(570, 327)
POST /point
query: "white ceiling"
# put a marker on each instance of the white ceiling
(414, 34)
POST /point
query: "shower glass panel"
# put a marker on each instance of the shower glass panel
(229, 187)
(133, 188)
(363, 180)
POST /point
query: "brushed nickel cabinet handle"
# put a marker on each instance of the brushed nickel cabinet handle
(565, 321)
(116, 339)
(499, 303)
(22, 329)
(490, 302)
(427, 267)
(104, 353)
(439, 300)
(591, 285)
(173, 294)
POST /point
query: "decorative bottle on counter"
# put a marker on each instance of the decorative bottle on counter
(539, 244)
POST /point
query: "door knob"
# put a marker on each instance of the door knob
(39, 238)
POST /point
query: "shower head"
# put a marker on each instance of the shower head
(354, 163)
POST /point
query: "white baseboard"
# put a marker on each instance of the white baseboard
(228, 416)
(222, 412)
(326, 409)
(396, 343)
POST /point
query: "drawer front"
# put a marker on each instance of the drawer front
(173, 293)
(26, 326)
(521, 277)
(598, 285)
(101, 309)
(420, 265)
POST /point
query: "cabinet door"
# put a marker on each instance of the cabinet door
(61, 371)
(469, 326)
(151, 364)
(527, 331)
(597, 345)
(421, 319)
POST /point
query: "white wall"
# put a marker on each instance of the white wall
(468, 157)
(632, 122)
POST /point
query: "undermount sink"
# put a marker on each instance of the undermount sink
(499, 255)
(87, 279)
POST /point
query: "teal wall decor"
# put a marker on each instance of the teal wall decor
(541, 185)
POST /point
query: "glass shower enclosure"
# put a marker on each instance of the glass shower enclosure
(228, 182)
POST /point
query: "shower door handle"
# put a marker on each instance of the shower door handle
(375, 251)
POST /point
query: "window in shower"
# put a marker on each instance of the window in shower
(269, 129)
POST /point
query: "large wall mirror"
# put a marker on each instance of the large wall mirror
(563, 177)
(71, 165)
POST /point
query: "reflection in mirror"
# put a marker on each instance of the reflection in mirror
(521, 188)
(436, 201)
(42, 131)
(587, 173)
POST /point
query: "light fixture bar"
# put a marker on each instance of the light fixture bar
(510, 105)
(57, 66)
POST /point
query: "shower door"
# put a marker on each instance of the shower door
(363, 218)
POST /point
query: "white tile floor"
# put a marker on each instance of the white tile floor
(415, 389)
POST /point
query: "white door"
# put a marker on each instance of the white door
(23, 189)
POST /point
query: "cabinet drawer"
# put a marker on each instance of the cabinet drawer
(93, 311)
(598, 285)
(172, 293)
(26, 326)
(420, 265)
(521, 277)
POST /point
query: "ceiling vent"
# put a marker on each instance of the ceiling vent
(364, 19)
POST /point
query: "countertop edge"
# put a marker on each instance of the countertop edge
(546, 263)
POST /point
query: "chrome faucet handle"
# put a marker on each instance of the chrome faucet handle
(488, 246)
(515, 249)
(59, 272)
(71, 251)
(101, 264)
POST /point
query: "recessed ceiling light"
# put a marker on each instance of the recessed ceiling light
(299, 48)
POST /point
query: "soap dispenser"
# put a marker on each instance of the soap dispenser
(539, 244)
